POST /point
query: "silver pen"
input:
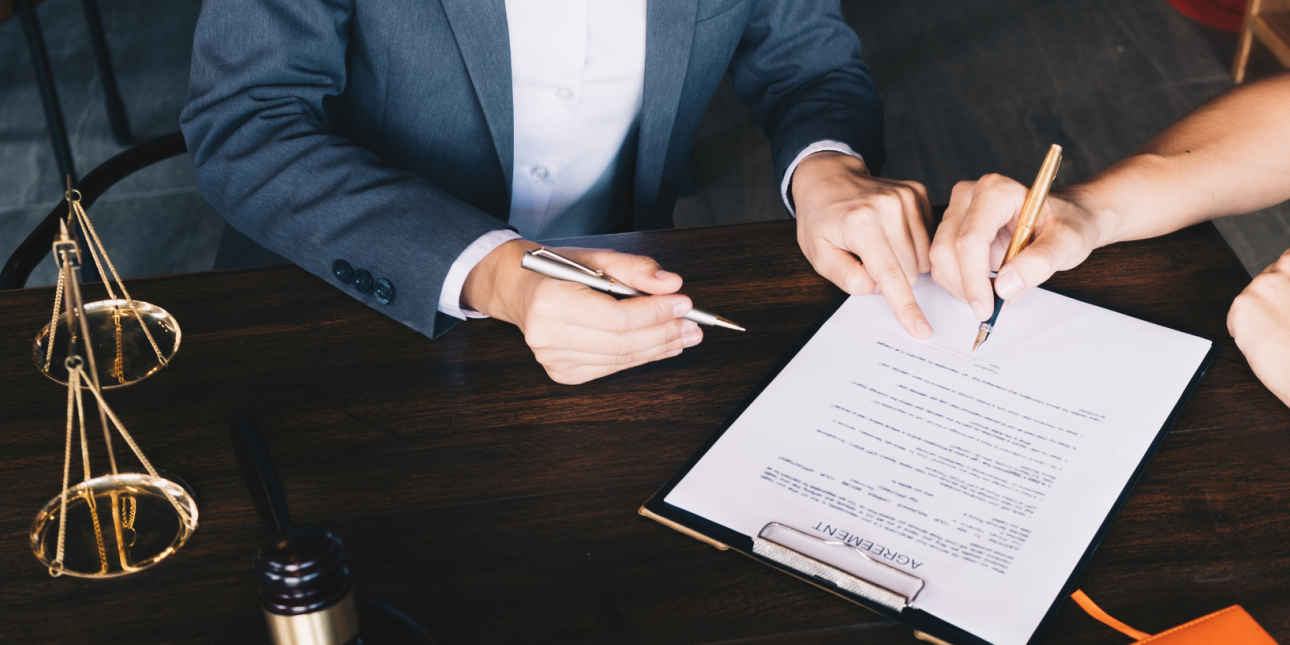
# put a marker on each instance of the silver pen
(553, 265)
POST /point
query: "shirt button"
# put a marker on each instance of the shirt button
(539, 173)
(564, 94)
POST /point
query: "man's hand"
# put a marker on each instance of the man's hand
(576, 333)
(978, 227)
(1260, 323)
(862, 233)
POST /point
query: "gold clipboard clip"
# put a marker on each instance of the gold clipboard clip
(838, 563)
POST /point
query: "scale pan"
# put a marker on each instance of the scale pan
(117, 524)
(122, 351)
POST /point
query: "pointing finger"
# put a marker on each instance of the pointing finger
(886, 271)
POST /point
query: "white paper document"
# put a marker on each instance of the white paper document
(985, 476)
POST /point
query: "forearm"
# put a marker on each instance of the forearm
(264, 156)
(1230, 156)
(798, 64)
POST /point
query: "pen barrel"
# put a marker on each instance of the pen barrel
(1020, 238)
(1034, 202)
(602, 283)
(553, 269)
(702, 317)
(619, 289)
(605, 284)
(994, 318)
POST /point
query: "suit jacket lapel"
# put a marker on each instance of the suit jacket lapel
(669, 35)
(485, 44)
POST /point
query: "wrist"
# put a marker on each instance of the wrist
(1126, 199)
(492, 286)
(818, 166)
(1106, 220)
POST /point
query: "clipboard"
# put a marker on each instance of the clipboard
(845, 570)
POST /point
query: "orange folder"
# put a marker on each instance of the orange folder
(1231, 626)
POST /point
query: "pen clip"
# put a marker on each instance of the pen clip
(544, 252)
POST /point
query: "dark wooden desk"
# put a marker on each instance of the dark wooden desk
(496, 506)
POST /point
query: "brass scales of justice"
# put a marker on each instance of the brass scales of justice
(117, 523)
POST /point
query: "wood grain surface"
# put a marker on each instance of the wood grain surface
(498, 507)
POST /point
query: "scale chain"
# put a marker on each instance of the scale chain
(138, 452)
(53, 322)
(89, 497)
(84, 219)
(85, 442)
(62, 277)
(96, 247)
(76, 380)
(73, 381)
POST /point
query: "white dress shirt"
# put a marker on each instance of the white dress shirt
(578, 75)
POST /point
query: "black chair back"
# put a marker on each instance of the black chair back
(33, 249)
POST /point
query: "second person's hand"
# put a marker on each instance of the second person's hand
(978, 225)
(1260, 322)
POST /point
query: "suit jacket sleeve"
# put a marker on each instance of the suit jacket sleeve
(798, 64)
(258, 134)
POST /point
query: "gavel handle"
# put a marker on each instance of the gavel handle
(256, 464)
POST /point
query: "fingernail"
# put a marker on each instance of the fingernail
(1008, 284)
(877, 291)
(979, 310)
(675, 352)
(665, 275)
(924, 329)
(690, 334)
(683, 307)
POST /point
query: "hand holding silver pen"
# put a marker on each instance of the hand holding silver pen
(553, 265)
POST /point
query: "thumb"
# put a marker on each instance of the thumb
(637, 271)
(1036, 264)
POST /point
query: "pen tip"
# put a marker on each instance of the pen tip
(981, 335)
(722, 322)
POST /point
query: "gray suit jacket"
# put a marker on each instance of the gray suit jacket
(380, 132)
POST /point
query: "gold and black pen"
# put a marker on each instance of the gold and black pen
(1025, 225)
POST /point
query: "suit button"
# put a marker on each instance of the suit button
(384, 291)
(344, 272)
(362, 281)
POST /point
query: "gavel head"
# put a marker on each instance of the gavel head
(302, 571)
(305, 588)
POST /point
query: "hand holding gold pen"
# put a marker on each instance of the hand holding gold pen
(1025, 226)
(553, 265)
